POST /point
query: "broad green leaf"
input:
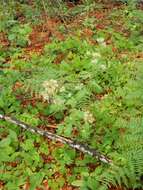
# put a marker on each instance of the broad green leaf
(77, 183)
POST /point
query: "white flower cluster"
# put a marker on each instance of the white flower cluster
(88, 117)
(62, 89)
(45, 95)
(79, 86)
(50, 88)
(103, 67)
(58, 101)
(95, 57)
(101, 41)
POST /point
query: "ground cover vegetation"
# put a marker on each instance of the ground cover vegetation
(74, 69)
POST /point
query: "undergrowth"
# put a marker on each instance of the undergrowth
(90, 92)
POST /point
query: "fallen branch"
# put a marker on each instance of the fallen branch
(76, 145)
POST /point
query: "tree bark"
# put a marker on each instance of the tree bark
(74, 144)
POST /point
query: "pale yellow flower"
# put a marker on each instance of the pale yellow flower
(58, 101)
(62, 89)
(50, 86)
(88, 117)
(45, 95)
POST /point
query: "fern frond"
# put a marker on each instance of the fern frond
(128, 171)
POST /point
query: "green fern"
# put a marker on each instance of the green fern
(128, 168)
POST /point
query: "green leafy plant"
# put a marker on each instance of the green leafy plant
(19, 35)
(89, 90)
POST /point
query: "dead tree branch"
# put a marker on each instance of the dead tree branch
(76, 145)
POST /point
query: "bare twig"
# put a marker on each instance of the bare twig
(76, 145)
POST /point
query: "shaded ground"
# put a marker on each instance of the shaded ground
(45, 33)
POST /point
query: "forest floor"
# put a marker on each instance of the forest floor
(115, 35)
